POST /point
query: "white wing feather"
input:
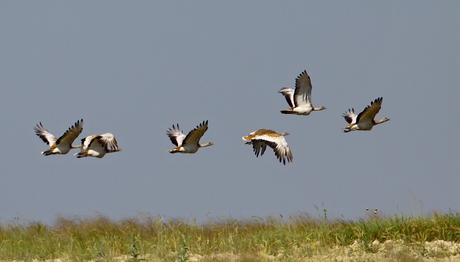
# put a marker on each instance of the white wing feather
(279, 146)
(44, 134)
(288, 94)
(175, 135)
(109, 141)
(350, 116)
(302, 93)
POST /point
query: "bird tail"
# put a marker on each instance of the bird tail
(174, 150)
(47, 153)
(81, 154)
(289, 112)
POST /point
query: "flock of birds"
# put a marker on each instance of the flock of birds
(92, 145)
(298, 99)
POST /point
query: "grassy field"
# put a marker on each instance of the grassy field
(295, 239)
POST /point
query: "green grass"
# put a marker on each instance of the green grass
(175, 240)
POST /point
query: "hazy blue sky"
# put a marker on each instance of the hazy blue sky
(136, 67)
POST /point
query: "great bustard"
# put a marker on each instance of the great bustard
(189, 143)
(299, 100)
(364, 120)
(98, 145)
(262, 138)
(61, 145)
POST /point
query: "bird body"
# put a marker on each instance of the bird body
(262, 138)
(299, 100)
(98, 145)
(61, 145)
(365, 120)
(189, 143)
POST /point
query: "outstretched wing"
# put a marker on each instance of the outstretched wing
(71, 134)
(175, 135)
(368, 114)
(282, 151)
(288, 94)
(302, 93)
(350, 116)
(108, 141)
(44, 134)
(193, 137)
(279, 146)
(259, 147)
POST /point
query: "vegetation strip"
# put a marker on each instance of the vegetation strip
(296, 238)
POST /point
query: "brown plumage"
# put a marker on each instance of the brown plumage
(262, 138)
(365, 120)
(63, 144)
(189, 143)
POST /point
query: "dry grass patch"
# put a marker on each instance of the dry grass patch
(295, 239)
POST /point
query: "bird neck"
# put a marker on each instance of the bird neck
(381, 121)
(206, 144)
(319, 108)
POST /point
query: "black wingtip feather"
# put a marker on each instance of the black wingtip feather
(303, 73)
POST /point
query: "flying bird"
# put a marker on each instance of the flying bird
(189, 143)
(262, 138)
(299, 100)
(98, 145)
(366, 119)
(61, 145)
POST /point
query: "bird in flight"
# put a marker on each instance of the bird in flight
(365, 120)
(98, 145)
(262, 138)
(189, 143)
(299, 100)
(61, 145)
